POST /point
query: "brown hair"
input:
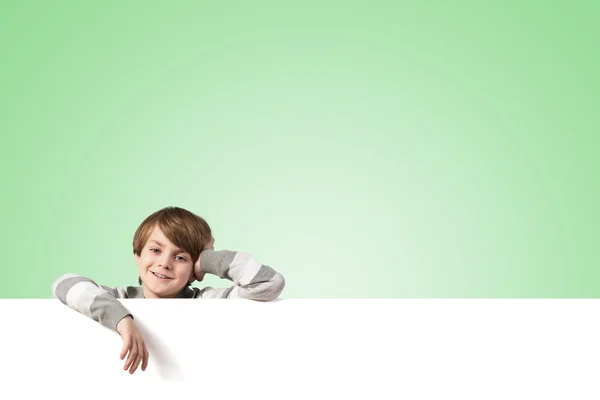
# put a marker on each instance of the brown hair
(183, 228)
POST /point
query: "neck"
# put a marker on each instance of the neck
(148, 294)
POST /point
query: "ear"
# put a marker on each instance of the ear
(136, 258)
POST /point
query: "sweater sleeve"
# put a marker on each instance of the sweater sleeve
(95, 301)
(252, 280)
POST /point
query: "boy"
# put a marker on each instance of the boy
(172, 248)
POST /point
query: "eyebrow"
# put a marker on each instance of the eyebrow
(162, 245)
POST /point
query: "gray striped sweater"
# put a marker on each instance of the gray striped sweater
(252, 280)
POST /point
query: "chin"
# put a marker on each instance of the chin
(169, 289)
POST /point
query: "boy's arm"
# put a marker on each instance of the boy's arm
(252, 279)
(95, 301)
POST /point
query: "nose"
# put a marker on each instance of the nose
(164, 261)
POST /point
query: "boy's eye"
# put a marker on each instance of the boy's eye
(179, 258)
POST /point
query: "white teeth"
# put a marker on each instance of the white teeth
(161, 276)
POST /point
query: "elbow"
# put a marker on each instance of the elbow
(56, 286)
(263, 291)
(278, 282)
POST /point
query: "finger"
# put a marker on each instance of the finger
(126, 344)
(141, 356)
(146, 356)
(138, 359)
(132, 355)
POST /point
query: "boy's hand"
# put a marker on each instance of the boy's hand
(210, 245)
(198, 273)
(133, 342)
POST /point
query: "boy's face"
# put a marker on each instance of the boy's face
(165, 270)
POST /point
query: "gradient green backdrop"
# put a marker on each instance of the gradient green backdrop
(373, 149)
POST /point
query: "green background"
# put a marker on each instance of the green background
(373, 149)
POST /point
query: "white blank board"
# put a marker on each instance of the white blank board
(298, 349)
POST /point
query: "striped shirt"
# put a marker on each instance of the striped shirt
(252, 280)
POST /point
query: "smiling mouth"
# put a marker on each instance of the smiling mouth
(161, 277)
